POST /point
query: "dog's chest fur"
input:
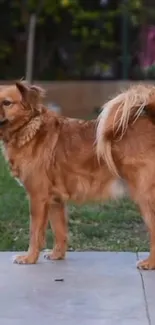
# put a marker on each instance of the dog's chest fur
(13, 157)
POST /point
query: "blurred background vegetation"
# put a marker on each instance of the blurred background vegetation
(77, 39)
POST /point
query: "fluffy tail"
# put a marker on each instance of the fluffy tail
(117, 115)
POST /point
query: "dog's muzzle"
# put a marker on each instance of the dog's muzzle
(3, 122)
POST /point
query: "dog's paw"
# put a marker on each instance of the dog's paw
(54, 255)
(24, 259)
(147, 264)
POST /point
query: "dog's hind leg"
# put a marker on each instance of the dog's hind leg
(149, 218)
(147, 207)
(58, 220)
(38, 222)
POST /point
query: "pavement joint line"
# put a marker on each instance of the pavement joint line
(144, 294)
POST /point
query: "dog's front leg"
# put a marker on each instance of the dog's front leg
(57, 216)
(38, 224)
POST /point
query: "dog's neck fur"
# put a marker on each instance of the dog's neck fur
(24, 134)
(27, 133)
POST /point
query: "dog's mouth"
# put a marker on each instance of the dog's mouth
(3, 122)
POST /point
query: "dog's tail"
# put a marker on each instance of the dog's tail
(118, 114)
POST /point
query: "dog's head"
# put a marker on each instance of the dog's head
(19, 104)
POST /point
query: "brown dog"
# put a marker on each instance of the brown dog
(55, 159)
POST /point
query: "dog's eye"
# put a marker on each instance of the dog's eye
(6, 102)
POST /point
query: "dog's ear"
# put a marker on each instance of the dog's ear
(31, 94)
(40, 92)
(23, 88)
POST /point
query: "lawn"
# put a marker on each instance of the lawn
(113, 226)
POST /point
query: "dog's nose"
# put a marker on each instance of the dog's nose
(3, 121)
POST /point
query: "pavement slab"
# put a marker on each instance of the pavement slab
(96, 288)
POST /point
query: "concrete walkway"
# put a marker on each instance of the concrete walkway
(97, 289)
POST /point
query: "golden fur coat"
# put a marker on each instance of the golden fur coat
(58, 159)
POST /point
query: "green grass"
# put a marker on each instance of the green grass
(113, 226)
